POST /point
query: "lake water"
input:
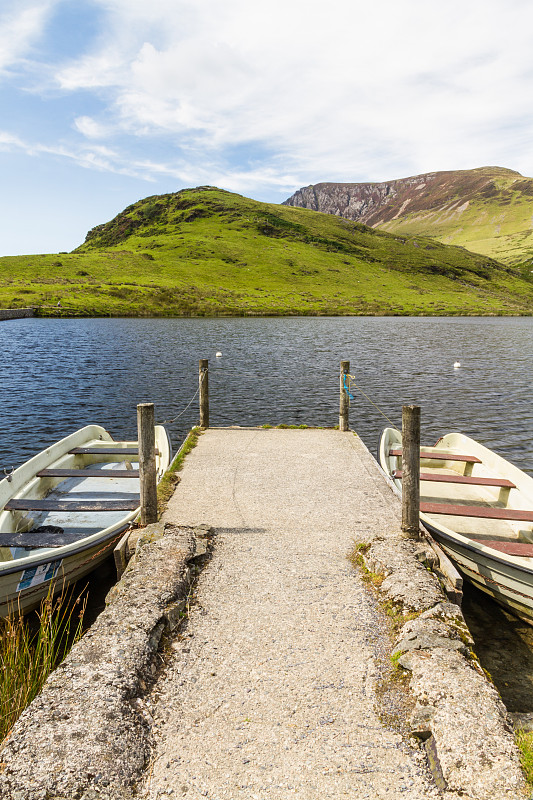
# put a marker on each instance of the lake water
(60, 374)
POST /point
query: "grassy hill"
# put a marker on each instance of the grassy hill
(209, 252)
(487, 210)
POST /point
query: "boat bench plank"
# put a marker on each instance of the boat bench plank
(39, 539)
(107, 451)
(71, 505)
(483, 512)
(104, 451)
(439, 456)
(524, 549)
(88, 473)
(442, 478)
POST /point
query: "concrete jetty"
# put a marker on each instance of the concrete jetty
(275, 686)
(273, 695)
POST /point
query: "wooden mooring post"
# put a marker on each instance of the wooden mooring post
(344, 400)
(203, 378)
(411, 471)
(147, 466)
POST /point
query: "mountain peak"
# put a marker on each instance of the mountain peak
(499, 202)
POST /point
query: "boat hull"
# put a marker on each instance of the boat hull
(508, 579)
(508, 584)
(27, 573)
(23, 590)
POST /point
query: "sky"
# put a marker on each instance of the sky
(104, 102)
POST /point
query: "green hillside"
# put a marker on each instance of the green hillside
(209, 252)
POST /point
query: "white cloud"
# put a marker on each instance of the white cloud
(94, 71)
(183, 171)
(93, 157)
(90, 127)
(21, 27)
(342, 88)
(9, 141)
(268, 97)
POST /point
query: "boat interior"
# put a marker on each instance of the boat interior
(463, 493)
(87, 490)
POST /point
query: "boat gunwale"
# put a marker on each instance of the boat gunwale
(477, 547)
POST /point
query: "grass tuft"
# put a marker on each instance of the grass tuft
(30, 652)
(167, 484)
(524, 740)
(356, 558)
(395, 658)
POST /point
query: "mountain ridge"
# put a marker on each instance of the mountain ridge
(488, 210)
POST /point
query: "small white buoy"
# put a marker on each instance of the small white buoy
(457, 364)
(219, 355)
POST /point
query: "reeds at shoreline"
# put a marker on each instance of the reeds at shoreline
(31, 648)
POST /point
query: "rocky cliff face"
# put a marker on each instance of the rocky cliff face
(376, 204)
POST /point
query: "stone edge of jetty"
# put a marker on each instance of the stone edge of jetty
(459, 716)
(87, 735)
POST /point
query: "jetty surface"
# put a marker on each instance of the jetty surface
(273, 692)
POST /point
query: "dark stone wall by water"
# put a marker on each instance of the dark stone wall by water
(16, 313)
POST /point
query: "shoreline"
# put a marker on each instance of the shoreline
(64, 313)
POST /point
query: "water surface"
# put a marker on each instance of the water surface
(59, 374)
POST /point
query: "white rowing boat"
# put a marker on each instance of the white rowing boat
(479, 507)
(62, 512)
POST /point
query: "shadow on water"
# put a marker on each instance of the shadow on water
(504, 645)
(98, 584)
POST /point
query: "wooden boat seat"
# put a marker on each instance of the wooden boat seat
(104, 451)
(439, 456)
(442, 478)
(523, 549)
(107, 451)
(24, 504)
(483, 512)
(88, 473)
(40, 539)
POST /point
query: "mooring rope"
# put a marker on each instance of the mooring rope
(351, 380)
(193, 398)
(348, 383)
